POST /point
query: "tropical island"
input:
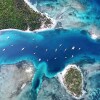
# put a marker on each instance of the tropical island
(18, 15)
(73, 81)
(71, 78)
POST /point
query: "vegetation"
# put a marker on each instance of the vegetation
(73, 81)
(17, 14)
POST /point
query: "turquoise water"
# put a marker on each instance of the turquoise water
(50, 51)
(82, 14)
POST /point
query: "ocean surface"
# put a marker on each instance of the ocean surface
(52, 50)
(49, 51)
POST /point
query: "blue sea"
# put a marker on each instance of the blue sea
(49, 51)
(52, 50)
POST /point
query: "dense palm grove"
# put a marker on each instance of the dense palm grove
(17, 14)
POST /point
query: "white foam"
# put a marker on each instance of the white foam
(31, 6)
(23, 86)
(28, 70)
(36, 10)
(94, 36)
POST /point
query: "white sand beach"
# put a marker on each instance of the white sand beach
(60, 77)
(36, 10)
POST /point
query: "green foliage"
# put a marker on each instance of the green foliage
(73, 80)
(17, 14)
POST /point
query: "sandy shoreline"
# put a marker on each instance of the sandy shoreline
(93, 36)
(36, 10)
(31, 6)
(60, 77)
(26, 31)
(42, 28)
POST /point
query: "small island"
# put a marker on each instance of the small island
(18, 15)
(73, 81)
(71, 78)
